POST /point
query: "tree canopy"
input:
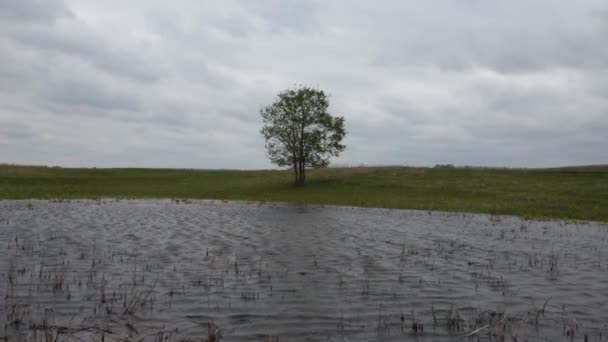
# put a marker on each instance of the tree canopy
(299, 131)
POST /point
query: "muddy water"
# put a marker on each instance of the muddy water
(158, 269)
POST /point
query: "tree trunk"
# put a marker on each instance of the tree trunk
(296, 172)
(301, 161)
(300, 180)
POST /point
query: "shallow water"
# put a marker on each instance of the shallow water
(157, 268)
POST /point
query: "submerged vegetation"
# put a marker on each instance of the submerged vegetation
(567, 193)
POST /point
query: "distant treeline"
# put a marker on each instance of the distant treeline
(579, 168)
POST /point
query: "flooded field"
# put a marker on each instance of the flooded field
(161, 270)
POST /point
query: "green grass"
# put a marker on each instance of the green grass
(567, 193)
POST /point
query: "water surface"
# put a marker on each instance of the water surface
(159, 268)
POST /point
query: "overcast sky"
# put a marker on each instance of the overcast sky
(156, 83)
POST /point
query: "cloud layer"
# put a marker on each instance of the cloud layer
(179, 84)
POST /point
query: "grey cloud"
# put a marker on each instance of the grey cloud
(510, 52)
(237, 27)
(243, 115)
(87, 94)
(509, 38)
(198, 71)
(91, 49)
(286, 15)
(15, 130)
(33, 23)
(512, 83)
(120, 108)
(171, 115)
(165, 21)
(33, 10)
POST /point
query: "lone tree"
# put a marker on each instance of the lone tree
(299, 131)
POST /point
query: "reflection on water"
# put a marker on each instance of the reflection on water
(158, 269)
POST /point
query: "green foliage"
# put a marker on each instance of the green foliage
(530, 193)
(299, 131)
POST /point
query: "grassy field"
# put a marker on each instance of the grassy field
(567, 193)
